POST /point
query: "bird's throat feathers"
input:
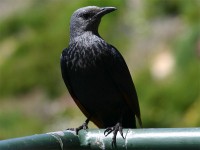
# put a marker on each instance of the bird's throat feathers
(88, 40)
(83, 35)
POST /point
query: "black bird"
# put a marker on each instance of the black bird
(97, 76)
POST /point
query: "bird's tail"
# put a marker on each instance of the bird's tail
(139, 121)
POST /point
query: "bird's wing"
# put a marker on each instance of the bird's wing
(64, 71)
(121, 77)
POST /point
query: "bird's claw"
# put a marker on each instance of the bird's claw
(84, 126)
(108, 130)
(115, 129)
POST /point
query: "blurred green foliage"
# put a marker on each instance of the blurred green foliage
(16, 123)
(162, 8)
(39, 34)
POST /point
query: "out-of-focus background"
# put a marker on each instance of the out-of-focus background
(159, 39)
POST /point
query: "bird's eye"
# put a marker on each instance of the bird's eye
(87, 16)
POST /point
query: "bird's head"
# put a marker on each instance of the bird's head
(87, 19)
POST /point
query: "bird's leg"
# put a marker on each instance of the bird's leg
(115, 129)
(84, 126)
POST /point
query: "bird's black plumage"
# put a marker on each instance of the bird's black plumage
(96, 74)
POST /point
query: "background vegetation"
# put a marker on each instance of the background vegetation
(160, 40)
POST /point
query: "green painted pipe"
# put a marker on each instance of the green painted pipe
(61, 140)
(137, 139)
(145, 139)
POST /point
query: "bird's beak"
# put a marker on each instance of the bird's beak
(104, 10)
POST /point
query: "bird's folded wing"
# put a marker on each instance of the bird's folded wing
(121, 77)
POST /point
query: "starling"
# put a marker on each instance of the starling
(97, 76)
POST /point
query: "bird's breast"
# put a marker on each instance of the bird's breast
(86, 56)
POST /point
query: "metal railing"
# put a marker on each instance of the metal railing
(137, 139)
